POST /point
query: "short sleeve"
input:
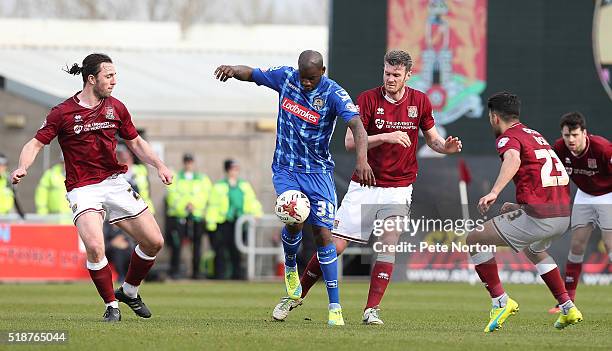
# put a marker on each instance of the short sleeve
(50, 127)
(558, 146)
(273, 77)
(363, 107)
(427, 118)
(343, 104)
(127, 130)
(505, 143)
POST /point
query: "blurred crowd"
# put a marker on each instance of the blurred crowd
(194, 208)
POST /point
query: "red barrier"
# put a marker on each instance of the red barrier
(30, 252)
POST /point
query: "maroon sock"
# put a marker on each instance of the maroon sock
(555, 285)
(138, 269)
(379, 280)
(572, 277)
(103, 279)
(487, 271)
(311, 274)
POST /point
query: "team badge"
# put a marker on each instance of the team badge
(318, 103)
(379, 123)
(592, 163)
(413, 112)
(110, 113)
(78, 128)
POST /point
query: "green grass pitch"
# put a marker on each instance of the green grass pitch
(236, 316)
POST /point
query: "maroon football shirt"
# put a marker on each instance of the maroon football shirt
(393, 164)
(591, 171)
(87, 138)
(541, 181)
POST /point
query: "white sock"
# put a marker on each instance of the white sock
(500, 301)
(113, 304)
(575, 258)
(334, 305)
(565, 307)
(130, 290)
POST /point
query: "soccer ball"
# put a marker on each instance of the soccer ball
(292, 207)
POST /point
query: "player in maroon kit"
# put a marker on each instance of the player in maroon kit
(85, 125)
(588, 160)
(540, 215)
(392, 115)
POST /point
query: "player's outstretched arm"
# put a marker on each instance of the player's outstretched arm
(143, 150)
(509, 167)
(397, 137)
(26, 158)
(362, 168)
(225, 72)
(449, 146)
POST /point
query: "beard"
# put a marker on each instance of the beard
(101, 93)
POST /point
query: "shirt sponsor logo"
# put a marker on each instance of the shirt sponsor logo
(98, 125)
(300, 111)
(592, 163)
(379, 123)
(318, 103)
(413, 112)
(78, 128)
(502, 142)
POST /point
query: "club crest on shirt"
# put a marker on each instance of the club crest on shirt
(78, 128)
(413, 112)
(379, 123)
(110, 113)
(318, 103)
(592, 163)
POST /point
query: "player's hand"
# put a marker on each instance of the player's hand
(18, 174)
(224, 72)
(398, 137)
(452, 145)
(486, 201)
(509, 207)
(165, 175)
(365, 174)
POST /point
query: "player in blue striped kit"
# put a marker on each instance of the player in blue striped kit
(308, 106)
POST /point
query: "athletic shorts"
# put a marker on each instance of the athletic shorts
(355, 222)
(589, 209)
(519, 230)
(113, 197)
(318, 187)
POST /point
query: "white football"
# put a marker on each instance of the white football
(292, 207)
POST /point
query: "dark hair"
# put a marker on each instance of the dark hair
(573, 120)
(228, 164)
(399, 57)
(90, 66)
(506, 105)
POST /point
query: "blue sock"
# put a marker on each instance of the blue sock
(291, 244)
(328, 259)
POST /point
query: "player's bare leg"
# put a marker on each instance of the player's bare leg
(549, 272)
(380, 277)
(145, 231)
(89, 227)
(486, 267)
